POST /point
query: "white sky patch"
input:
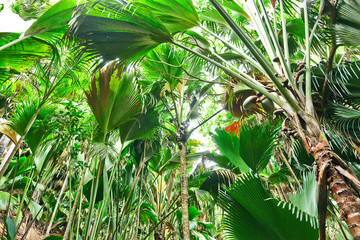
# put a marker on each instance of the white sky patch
(11, 22)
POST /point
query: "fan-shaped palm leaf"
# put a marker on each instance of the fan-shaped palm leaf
(176, 15)
(141, 127)
(164, 63)
(41, 127)
(252, 214)
(113, 31)
(113, 97)
(252, 149)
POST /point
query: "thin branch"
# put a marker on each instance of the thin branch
(205, 121)
(182, 68)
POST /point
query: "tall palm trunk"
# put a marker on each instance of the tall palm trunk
(338, 186)
(333, 174)
(184, 192)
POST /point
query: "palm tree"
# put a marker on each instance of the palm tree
(113, 30)
(293, 95)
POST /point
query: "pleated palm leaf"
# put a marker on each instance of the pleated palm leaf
(305, 198)
(251, 213)
(176, 15)
(41, 127)
(216, 179)
(164, 64)
(253, 147)
(114, 31)
(51, 26)
(114, 97)
(347, 27)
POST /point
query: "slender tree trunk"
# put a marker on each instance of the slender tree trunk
(57, 205)
(73, 210)
(184, 192)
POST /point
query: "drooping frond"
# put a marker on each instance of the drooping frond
(21, 56)
(347, 27)
(217, 179)
(176, 15)
(113, 31)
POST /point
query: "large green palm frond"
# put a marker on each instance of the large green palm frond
(142, 127)
(347, 27)
(115, 31)
(114, 97)
(51, 26)
(251, 213)
(20, 56)
(252, 149)
(176, 15)
(343, 97)
(41, 127)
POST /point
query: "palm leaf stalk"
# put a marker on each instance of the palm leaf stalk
(57, 205)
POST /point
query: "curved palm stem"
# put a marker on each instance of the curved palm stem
(308, 96)
(268, 67)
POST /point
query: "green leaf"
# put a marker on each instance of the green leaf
(279, 176)
(148, 211)
(176, 15)
(305, 198)
(35, 208)
(213, 16)
(20, 57)
(216, 180)
(4, 200)
(55, 21)
(229, 146)
(10, 228)
(193, 213)
(41, 127)
(251, 213)
(297, 27)
(113, 31)
(113, 97)
(252, 149)
(139, 128)
(164, 63)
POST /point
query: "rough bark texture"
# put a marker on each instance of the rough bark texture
(184, 192)
(4, 142)
(338, 186)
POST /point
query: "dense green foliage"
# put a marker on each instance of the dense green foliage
(102, 102)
